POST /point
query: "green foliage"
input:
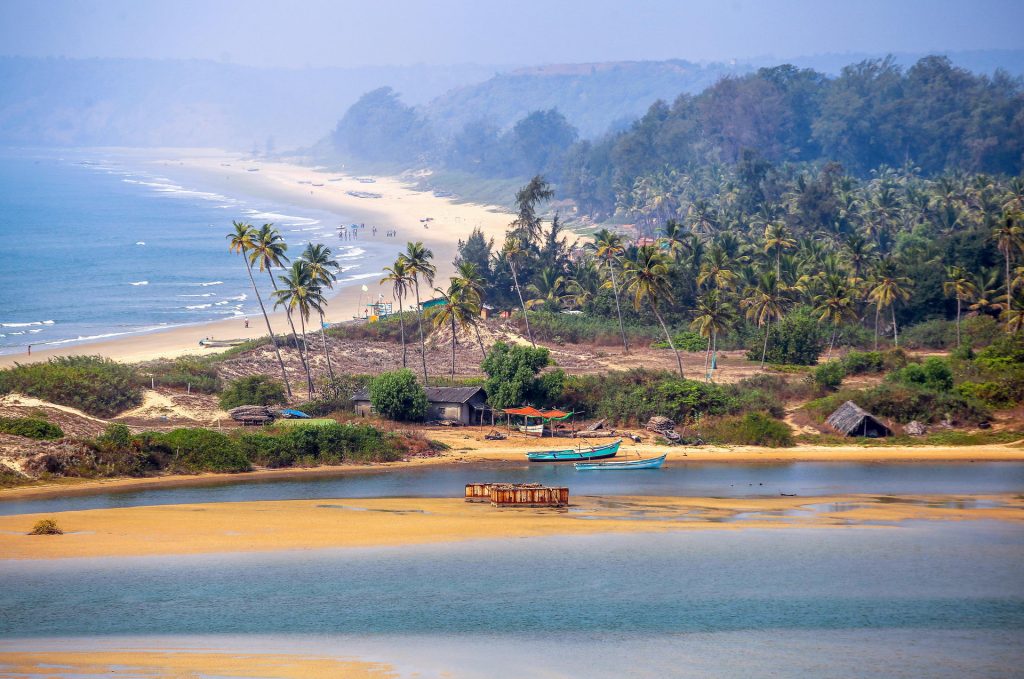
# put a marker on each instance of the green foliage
(95, 385)
(386, 329)
(30, 427)
(116, 437)
(1006, 351)
(934, 373)
(904, 403)
(200, 373)
(46, 527)
(334, 395)
(254, 390)
(860, 362)
(304, 445)
(752, 429)
(198, 450)
(398, 396)
(798, 339)
(586, 328)
(512, 376)
(829, 375)
(686, 341)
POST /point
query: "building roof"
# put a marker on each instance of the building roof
(848, 418)
(434, 394)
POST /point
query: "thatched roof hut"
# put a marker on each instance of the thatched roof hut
(850, 419)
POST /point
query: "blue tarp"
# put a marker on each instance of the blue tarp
(295, 413)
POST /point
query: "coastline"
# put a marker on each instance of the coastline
(399, 207)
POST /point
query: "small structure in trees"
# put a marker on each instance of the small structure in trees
(850, 419)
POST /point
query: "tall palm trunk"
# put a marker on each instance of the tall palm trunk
(453, 348)
(295, 336)
(309, 377)
(1009, 284)
(895, 331)
(707, 358)
(327, 354)
(618, 309)
(878, 310)
(273, 340)
(958, 321)
(832, 342)
(526, 317)
(764, 349)
(401, 323)
(668, 336)
(479, 340)
(423, 344)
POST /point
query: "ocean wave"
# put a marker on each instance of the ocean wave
(140, 242)
(290, 220)
(25, 325)
(204, 294)
(199, 306)
(351, 253)
(361, 276)
(139, 283)
(208, 283)
(239, 298)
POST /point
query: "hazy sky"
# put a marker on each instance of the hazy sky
(372, 32)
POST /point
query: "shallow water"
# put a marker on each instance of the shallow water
(918, 600)
(695, 480)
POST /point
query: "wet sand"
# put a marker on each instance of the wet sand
(347, 523)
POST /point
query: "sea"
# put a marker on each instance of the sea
(102, 244)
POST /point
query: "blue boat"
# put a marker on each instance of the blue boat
(624, 465)
(574, 454)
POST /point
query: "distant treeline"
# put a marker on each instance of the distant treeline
(932, 115)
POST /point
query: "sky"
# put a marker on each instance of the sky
(301, 33)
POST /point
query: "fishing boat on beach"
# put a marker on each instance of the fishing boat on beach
(578, 453)
(622, 465)
(534, 429)
(210, 342)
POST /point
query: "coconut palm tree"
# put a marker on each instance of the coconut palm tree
(513, 250)
(776, 239)
(608, 248)
(836, 304)
(1009, 237)
(986, 299)
(460, 310)
(714, 315)
(467, 275)
(584, 282)
(241, 241)
(547, 290)
(298, 293)
(716, 269)
(417, 264)
(765, 301)
(1013, 316)
(647, 280)
(887, 289)
(401, 282)
(958, 284)
(323, 272)
(268, 251)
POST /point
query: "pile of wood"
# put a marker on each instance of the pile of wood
(663, 426)
(252, 414)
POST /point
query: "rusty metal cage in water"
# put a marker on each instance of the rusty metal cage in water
(517, 494)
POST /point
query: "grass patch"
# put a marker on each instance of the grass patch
(46, 527)
(752, 429)
(92, 384)
(30, 427)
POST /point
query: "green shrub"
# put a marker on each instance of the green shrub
(386, 329)
(933, 334)
(325, 444)
(334, 395)
(512, 376)
(829, 375)
(180, 373)
(254, 390)
(934, 373)
(585, 329)
(991, 394)
(46, 527)
(199, 450)
(30, 427)
(115, 437)
(906, 402)
(95, 385)
(398, 396)
(752, 429)
(798, 339)
(860, 362)
(685, 341)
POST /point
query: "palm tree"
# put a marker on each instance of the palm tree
(268, 250)
(547, 290)
(299, 293)
(468, 276)
(1009, 235)
(513, 250)
(322, 272)
(417, 264)
(401, 281)
(460, 310)
(607, 248)
(777, 239)
(647, 280)
(717, 269)
(714, 315)
(986, 299)
(887, 289)
(241, 241)
(766, 301)
(836, 305)
(584, 282)
(958, 284)
(1014, 314)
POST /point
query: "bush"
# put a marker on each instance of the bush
(95, 385)
(325, 444)
(829, 375)
(752, 429)
(934, 373)
(30, 427)
(685, 341)
(334, 395)
(798, 339)
(199, 450)
(585, 328)
(860, 362)
(46, 527)
(906, 402)
(933, 334)
(387, 329)
(179, 373)
(512, 376)
(255, 390)
(115, 437)
(398, 396)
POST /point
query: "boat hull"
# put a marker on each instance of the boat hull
(575, 455)
(625, 465)
(537, 429)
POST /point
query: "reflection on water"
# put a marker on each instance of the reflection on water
(697, 480)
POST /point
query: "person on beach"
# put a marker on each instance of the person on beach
(247, 323)
(30, 350)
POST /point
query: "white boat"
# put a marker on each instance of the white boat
(536, 429)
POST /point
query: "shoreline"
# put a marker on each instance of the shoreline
(400, 207)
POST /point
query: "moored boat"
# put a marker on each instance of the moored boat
(623, 465)
(575, 454)
(536, 429)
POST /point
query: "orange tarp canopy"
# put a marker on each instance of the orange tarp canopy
(533, 412)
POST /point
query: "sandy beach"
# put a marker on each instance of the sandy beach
(398, 207)
(317, 524)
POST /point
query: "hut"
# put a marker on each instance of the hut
(465, 405)
(850, 419)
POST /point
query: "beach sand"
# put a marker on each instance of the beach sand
(345, 523)
(184, 663)
(399, 207)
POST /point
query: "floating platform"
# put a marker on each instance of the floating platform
(517, 494)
